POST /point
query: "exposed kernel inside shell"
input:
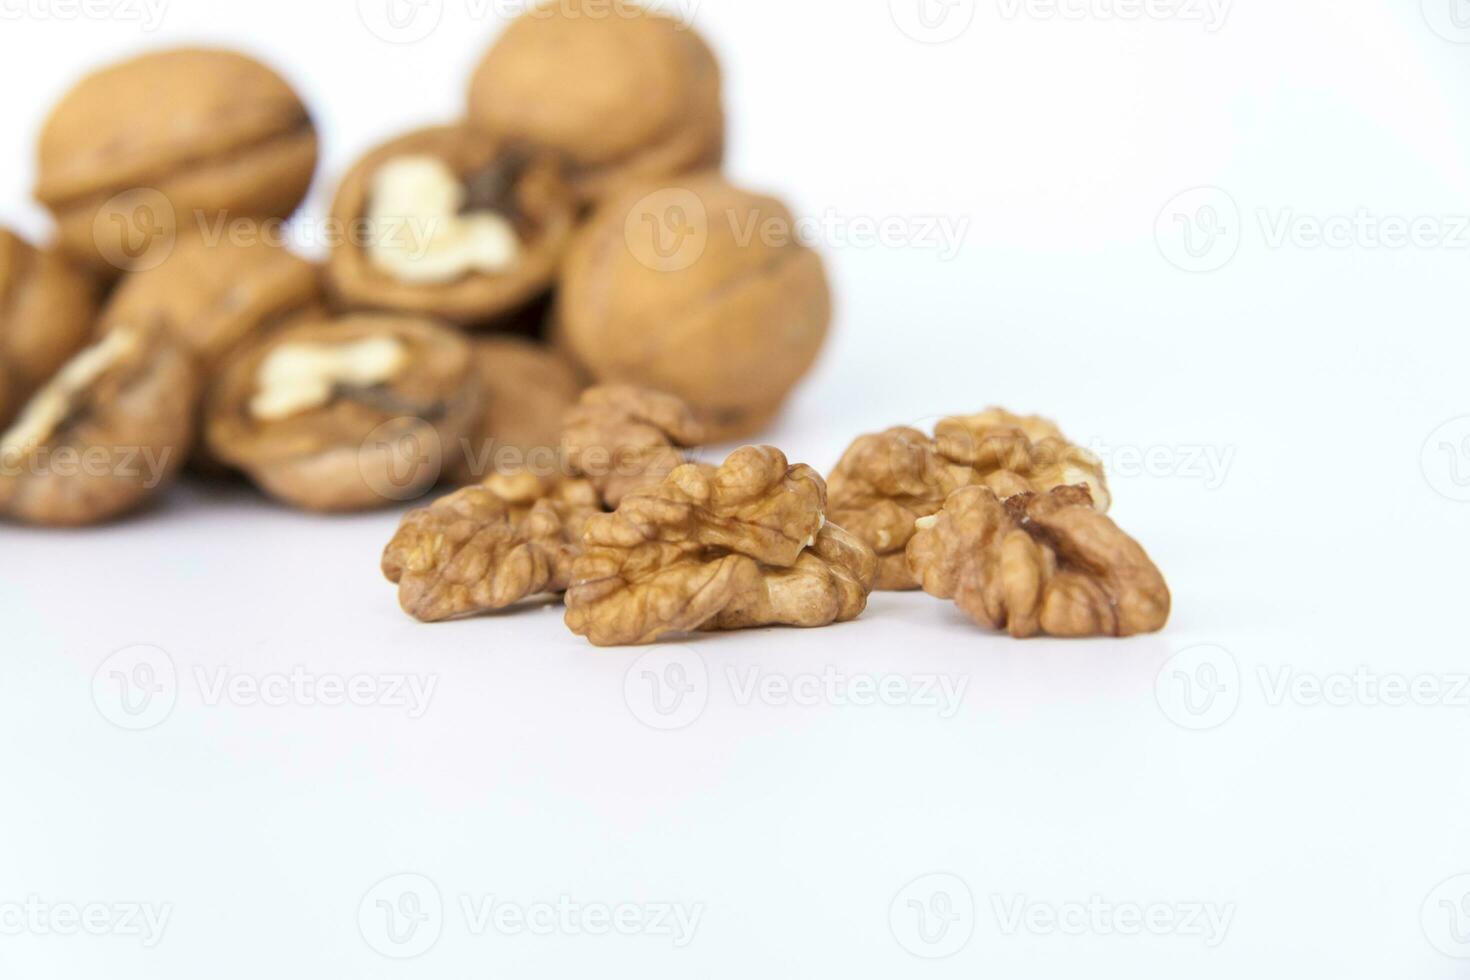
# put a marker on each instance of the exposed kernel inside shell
(296, 378)
(421, 232)
(50, 407)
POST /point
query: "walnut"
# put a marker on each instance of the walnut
(886, 482)
(456, 225)
(617, 91)
(211, 296)
(1039, 563)
(734, 547)
(527, 390)
(106, 434)
(731, 325)
(47, 309)
(489, 547)
(625, 439)
(349, 414)
(194, 134)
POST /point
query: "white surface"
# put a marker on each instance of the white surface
(1067, 773)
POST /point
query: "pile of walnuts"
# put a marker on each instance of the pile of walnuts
(997, 512)
(572, 229)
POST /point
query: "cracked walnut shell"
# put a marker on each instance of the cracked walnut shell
(617, 91)
(489, 547)
(106, 434)
(625, 439)
(734, 547)
(347, 414)
(1039, 563)
(184, 136)
(47, 309)
(457, 226)
(887, 481)
(675, 288)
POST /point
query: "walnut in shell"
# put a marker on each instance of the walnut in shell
(734, 547)
(489, 547)
(618, 92)
(168, 141)
(1039, 563)
(47, 310)
(348, 414)
(107, 433)
(212, 296)
(676, 288)
(527, 390)
(886, 482)
(624, 439)
(452, 224)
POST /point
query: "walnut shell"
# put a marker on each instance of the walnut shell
(108, 432)
(47, 309)
(362, 446)
(621, 93)
(527, 389)
(734, 547)
(204, 132)
(730, 323)
(526, 187)
(1039, 563)
(211, 297)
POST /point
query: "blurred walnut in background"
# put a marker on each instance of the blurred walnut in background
(348, 414)
(104, 435)
(618, 92)
(144, 149)
(699, 289)
(454, 224)
(47, 308)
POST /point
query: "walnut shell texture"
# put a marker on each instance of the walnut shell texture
(536, 199)
(47, 311)
(212, 132)
(621, 93)
(730, 322)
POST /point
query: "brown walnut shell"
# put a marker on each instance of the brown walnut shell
(47, 311)
(114, 438)
(365, 447)
(526, 186)
(711, 310)
(200, 133)
(621, 93)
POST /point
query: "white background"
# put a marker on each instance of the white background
(1325, 544)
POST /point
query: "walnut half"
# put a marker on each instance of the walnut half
(625, 438)
(1039, 563)
(885, 482)
(743, 545)
(488, 547)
